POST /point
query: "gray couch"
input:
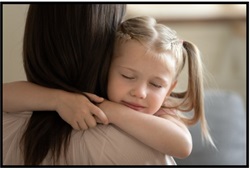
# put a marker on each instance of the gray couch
(226, 117)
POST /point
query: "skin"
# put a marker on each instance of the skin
(83, 113)
(138, 80)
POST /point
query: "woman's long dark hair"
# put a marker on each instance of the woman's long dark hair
(68, 47)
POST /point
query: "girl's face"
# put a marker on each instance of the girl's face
(138, 80)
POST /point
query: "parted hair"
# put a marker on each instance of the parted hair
(160, 39)
(68, 47)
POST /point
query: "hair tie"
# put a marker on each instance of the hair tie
(123, 35)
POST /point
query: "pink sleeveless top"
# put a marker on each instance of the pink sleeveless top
(102, 145)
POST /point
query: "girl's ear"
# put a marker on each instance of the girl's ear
(172, 87)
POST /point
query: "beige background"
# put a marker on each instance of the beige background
(219, 32)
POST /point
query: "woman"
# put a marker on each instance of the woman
(60, 43)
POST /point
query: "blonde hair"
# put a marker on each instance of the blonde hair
(160, 39)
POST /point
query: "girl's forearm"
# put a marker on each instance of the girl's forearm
(25, 96)
(161, 134)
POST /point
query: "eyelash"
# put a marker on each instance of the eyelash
(131, 78)
(127, 77)
(155, 85)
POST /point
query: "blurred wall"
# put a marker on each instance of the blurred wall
(13, 27)
(221, 42)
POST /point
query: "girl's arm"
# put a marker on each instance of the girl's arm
(166, 133)
(75, 109)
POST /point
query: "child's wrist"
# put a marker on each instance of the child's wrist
(104, 106)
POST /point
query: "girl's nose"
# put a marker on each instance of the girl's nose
(139, 91)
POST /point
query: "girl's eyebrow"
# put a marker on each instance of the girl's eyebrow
(128, 68)
(162, 80)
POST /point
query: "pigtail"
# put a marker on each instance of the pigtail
(193, 98)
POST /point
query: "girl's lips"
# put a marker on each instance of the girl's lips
(133, 106)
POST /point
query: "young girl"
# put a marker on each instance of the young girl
(147, 61)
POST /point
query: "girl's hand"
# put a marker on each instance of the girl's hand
(78, 111)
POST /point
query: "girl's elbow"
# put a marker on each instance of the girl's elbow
(180, 149)
(185, 149)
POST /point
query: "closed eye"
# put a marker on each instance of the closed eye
(128, 77)
(156, 85)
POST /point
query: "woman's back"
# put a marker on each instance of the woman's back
(102, 145)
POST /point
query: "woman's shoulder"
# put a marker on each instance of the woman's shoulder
(14, 115)
(15, 118)
(109, 145)
(13, 127)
